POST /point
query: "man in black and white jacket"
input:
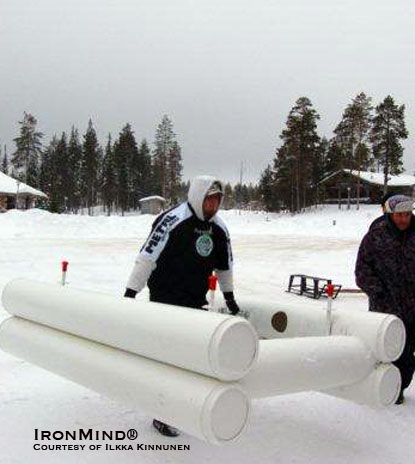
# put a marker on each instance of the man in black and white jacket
(185, 245)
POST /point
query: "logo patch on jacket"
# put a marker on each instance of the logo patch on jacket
(204, 245)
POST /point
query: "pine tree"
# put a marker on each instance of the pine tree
(174, 169)
(45, 174)
(183, 191)
(387, 132)
(354, 130)
(28, 150)
(90, 166)
(285, 179)
(135, 166)
(109, 180)
(164, 140)
(361, 110)
(5, 163)
(319, 167)
(254, 193)
(125, 155)
(294, 160)
(62, 174)
(100, 173)
(147, 175)
(50, 178)
(334, 159)
(74, 167)
(267, 190)
(245, 195)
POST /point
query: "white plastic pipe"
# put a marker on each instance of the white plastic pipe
(384, 334)
(281, 320)
(201, 406)
(309, 363)
(217, 345)
(379, 389)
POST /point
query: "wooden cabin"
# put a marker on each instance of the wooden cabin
(341, 187)
(16, 194)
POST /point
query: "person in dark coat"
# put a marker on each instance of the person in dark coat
(385, 271)
(185, 245)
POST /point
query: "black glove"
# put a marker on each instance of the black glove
(231, 303)
(130, 293)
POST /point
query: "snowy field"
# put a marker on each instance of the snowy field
(301, 428)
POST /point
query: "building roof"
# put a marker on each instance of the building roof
(154, 197)
(376, 178)
(8, 186)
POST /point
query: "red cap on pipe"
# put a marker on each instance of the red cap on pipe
(330, 290)
(213, 281)
(64, 266)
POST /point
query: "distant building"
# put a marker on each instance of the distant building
(152, 205)
(16, 194)
(255, 205)
(342, 186)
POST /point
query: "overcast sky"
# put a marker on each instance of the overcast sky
(226, 72)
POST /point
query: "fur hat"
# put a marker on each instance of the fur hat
(399, 204)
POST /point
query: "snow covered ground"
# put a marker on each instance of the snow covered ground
(300, 428)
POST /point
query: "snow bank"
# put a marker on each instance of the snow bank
(327, 221)
(322, 222)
